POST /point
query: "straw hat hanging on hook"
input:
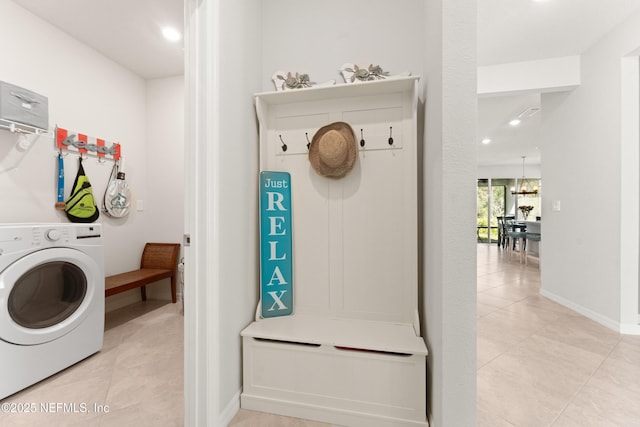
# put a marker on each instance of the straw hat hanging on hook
(333, 151)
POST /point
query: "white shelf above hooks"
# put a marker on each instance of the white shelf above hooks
(16, 127)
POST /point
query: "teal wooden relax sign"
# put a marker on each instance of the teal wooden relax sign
(276, 249)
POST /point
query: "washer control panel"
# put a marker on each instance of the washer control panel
(15, 238)
(53, 235)
(42, 236)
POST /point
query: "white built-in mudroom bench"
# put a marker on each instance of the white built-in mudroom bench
(351, 353)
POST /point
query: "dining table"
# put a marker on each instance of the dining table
(519, 226)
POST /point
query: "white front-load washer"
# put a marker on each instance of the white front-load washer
(51, 300)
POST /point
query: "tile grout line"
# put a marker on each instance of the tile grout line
(570, 401)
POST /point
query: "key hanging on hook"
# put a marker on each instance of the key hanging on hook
(390, 135)
(306, 134)
(284, 146)
(361, 138)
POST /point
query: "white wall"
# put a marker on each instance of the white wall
(509, 171)
(165, 167)
(223, 64)
(90, 94)
(87, 93)
(437, 48)
(539, 76)
(581, 132)
(449, 298)
(320, 37)
(223, 256)
(630, 184)
(237, 146)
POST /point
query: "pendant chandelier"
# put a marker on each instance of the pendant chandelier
(525, 186)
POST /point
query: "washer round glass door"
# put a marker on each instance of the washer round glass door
(46, 294)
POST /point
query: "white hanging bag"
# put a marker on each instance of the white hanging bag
(117, 197)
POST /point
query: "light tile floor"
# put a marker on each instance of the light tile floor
(137, 377)
(539, 364)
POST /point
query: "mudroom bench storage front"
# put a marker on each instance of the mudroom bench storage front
(352, 352)
(343, 371)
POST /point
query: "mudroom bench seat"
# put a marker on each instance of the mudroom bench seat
(159, 261)
(337, 370)
(371, 335)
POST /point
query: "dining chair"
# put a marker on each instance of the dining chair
(501, 232)
(528, 253)
(507, 225)
(516, 239)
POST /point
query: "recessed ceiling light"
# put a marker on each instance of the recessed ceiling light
(486, 141)
(514, 122)
(171, 34)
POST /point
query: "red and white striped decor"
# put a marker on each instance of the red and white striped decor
(78, 142)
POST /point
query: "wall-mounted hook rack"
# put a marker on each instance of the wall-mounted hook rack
(87, 145)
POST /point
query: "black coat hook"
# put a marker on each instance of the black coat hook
(390, 135)
(361, 138)
(306, 134)
(284, 146)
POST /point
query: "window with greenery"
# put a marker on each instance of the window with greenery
(494, 199)
(489, 209)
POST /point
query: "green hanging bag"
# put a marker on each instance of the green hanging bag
(81, 206)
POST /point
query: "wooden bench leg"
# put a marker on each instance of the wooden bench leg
(143, 291)
(173, 289)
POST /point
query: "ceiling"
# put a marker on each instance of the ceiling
(524, 30)
(508, 143)
(508, 31)
(127, 31)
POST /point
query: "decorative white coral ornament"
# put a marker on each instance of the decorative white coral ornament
(289, 81)
(354, 74)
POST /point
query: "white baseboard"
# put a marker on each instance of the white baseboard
(623, 328)
(630, 329)
(230, 410)
(596, 317)
(336, 417)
